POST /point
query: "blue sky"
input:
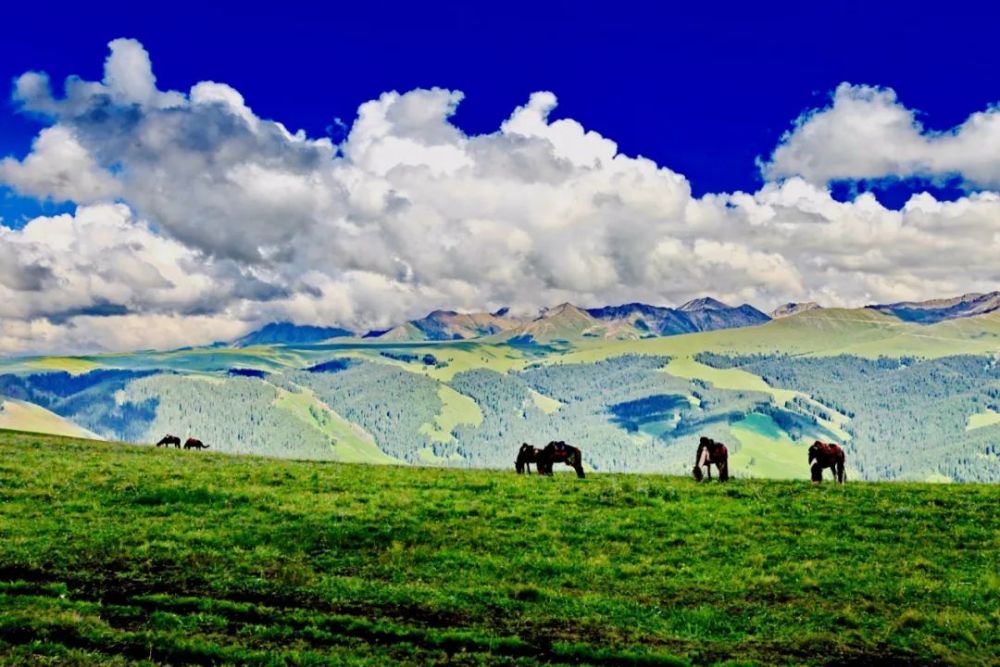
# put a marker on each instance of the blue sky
(702, 87)
(473, 156)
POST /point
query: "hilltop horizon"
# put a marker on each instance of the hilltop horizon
(442, 324)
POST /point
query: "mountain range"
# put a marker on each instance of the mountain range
(936, 310)
(633, 385)
(630, 321)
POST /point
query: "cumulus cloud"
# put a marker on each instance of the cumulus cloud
(198, 219)
(58, 168)
(866, 133)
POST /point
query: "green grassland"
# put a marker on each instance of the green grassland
(767, 451)
(983, 419)
(125, 555)
(546, 404)
(456, 409)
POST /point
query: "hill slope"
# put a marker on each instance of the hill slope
(173, 557)
(286, 333)
(22, 416)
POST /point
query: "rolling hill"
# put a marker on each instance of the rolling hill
(572, 374)
(28, 417)
(793, 308)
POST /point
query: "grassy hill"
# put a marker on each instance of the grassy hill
(116, 554)
(21, 416)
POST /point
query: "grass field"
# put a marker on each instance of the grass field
(983, 419)
(456, 409)
(726, 378)
(122, 555)
(767, 451)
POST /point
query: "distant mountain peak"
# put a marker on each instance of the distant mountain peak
(451, 325)
(565, 312)
(794, 308)
(286, 333)
(703, 303)
(565, 307)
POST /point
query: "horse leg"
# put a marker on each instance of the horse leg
(817, 473)
(708, 470)
(840, 473)
(578, 466)
(723, 471)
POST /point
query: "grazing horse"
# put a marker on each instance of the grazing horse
(827, 455)
(168, 440)
(194, 443)
(525, 457)
(711, 453)
(558, 451)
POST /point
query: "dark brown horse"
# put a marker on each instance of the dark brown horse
(525, 457)
(168, 440)
(711, 453)
(194, 443)
(558, 451)
(827, 455)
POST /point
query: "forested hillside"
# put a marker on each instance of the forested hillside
(908, 417)
(631, 405)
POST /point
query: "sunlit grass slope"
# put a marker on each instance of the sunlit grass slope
(21, 416)
(115, 554)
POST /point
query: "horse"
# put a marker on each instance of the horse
(558, 451)
(827, 455)
(525, 457)
(194, 443)
(168, 440)
(711, 453)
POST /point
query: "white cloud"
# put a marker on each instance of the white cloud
(225, 219)
(58, 168)
(866, 133)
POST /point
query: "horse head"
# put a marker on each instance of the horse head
(525, 455)
(818, 451)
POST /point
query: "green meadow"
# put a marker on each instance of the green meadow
(115, 554)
